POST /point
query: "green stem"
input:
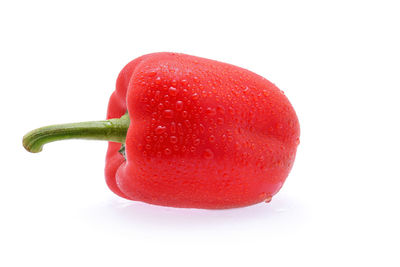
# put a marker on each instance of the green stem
(110, 130)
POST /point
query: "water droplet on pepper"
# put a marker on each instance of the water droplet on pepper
(160, 129)
(208, 154)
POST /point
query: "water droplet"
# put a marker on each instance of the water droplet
(262, 196)
(220, 109)
(160, 129)
(157, 95)
(224, 137)
(201, 128)
(173, 139)
(167, 151)
(168, 113)
(211, 111)
(180, 128)
(208, 154)
(172, 91)
(237, 145)
(184, 82)
(195, 96)
(196, 142)
(173, 127)
(187, 123)
(179, 105)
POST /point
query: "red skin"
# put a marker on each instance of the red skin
(230, 142)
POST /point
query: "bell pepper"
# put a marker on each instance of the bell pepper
(186, 131)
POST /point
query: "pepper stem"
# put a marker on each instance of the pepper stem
(109, 130)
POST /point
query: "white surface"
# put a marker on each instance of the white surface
(339, 65)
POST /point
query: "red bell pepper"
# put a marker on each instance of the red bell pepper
(191, 132)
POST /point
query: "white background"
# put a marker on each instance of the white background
(337, 61)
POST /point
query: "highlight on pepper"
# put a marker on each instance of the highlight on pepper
(190, 132)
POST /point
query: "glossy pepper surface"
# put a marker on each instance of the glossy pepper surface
(191, 132)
